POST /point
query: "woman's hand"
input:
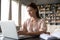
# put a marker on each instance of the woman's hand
(21, 32)
(48, 33)
(31, 33)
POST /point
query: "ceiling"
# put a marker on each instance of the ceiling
(38, 2)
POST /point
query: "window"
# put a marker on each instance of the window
(15, 8)
(4, 9)
(24, 13)
(10, 10)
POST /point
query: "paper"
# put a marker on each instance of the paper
(56, 34)
(45, 36)
(1, 38)
(1, 35)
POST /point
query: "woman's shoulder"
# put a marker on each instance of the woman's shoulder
(27, 20)
(41, 20)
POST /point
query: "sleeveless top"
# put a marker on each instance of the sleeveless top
(36, 26)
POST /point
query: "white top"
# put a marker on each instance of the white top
(34, 26)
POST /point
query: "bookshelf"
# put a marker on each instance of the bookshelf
(50, 12)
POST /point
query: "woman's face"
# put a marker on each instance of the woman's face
(31, 11)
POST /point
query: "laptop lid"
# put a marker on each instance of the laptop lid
(9, 29)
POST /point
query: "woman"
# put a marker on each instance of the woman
(34, 25)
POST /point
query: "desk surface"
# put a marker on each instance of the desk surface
(23, 39)
(5, 38)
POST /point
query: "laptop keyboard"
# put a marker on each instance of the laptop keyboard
(1, 36)
(24, 36)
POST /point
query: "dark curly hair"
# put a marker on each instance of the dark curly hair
(34, 6)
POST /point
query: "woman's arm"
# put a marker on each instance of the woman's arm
(31, 33)
(42, 29)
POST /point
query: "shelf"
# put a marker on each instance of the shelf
(57, 19)
(57, 23)
(51, 13)
(48, 12)
(58, 14)
(58, 7)
(48, 6)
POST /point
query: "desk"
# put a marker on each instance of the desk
(22, 39)
(5, 38)
(34, 38)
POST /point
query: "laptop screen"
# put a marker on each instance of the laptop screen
(9, 29)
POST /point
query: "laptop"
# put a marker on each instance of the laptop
(9, 30)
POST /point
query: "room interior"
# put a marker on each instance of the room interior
(48, 9)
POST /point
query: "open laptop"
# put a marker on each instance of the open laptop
(9, 30)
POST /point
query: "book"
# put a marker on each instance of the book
(56, 34)
(45, 36)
